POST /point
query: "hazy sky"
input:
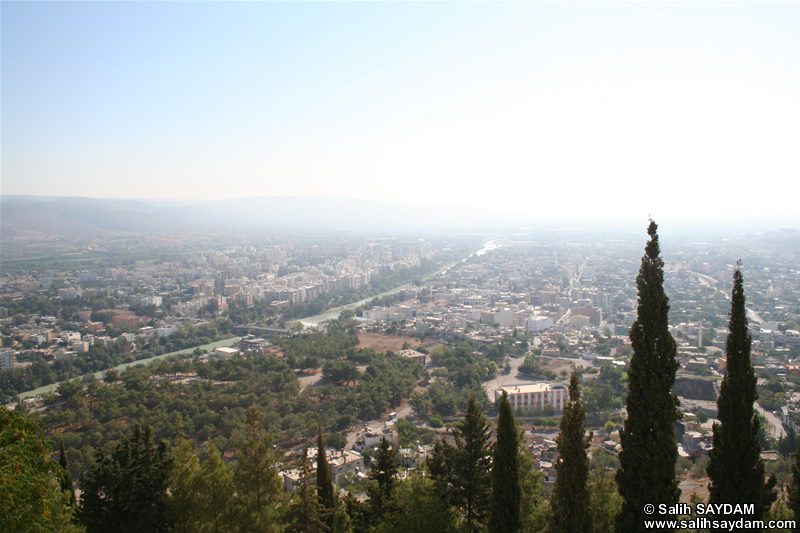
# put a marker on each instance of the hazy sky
(670, 109)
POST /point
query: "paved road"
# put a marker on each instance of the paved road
(754, 316)
(232, 341)
(774, 424)
(505, 380)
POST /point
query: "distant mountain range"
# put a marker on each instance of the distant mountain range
(78, 216)
(81, 218)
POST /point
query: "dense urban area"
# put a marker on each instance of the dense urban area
(209, 352)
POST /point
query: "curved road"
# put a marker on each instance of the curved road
(99, 375)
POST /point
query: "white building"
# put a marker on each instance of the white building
(166, 331)
(71, 336)
(535, 395)
(339, 463)
(140, 300)
(225, 353)
(377, 313)
(504, 317)
(538, 323)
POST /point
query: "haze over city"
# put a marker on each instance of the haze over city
(399, 267)
(685, 112)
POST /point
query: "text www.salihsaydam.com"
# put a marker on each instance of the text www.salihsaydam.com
(729, 525)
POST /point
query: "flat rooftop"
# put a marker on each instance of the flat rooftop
(533, 387)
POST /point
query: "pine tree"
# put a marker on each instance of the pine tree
(305, 509)
(605, 502)
(215, 493)
(649, 451)
(464, 470)
(419, 507)
(534, 507)
(260, 496)
(383, 474)
(183, 507)
(570, 501)
(341, 520)
(126, 491)
(325, 491)
(735, 467)
(357, 514)
(504, 514)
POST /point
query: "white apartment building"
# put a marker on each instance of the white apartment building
(340, 462)
(535, 395)
(538, 323)
(166, 331)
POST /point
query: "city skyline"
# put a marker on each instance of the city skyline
(675, 111)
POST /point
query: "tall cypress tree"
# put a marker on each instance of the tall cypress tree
(504, 509)
(570, 501)
(735, 467)
(472, 464)
(305, 510)
(66, 478)
(649, 451)
(325, 492)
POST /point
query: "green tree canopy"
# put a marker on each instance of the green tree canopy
(126, 490)
(383, 473)
(464, 469)
(305, 510)
(260, 496)
(30, 480)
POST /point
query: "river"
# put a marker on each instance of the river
(488, 246)
(334, 313)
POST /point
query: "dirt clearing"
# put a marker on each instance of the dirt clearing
(383, 343)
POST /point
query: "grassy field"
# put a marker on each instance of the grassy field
(48, 259)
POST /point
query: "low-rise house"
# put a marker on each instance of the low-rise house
(340, 462)
(414, 355)
(225, 352)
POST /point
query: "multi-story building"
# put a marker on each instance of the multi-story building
(7, 359)
(190, 308)
(141, 300)
(538, 323)
(95, 327)
(166, 331)
(535, 395)
(126, 322)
